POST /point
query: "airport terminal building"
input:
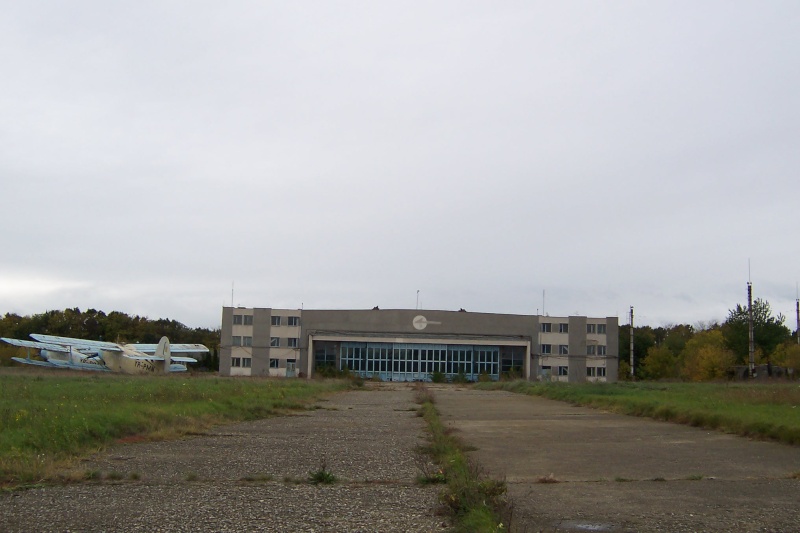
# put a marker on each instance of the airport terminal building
(412, 344)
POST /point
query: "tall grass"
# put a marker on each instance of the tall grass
(475, 502)
(47, 419)
(766, 411)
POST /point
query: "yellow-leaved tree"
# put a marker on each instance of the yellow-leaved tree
(705, 357)
(788, 355)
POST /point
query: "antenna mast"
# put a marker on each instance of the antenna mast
(632, 372)
(750, 329)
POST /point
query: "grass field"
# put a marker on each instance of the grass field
(49, 418)
(766, 411)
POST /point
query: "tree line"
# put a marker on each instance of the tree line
(708, 351)
(113, 327)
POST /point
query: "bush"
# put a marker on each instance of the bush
(438, 377)
(461, 377)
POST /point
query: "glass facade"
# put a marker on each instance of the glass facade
(417, 362)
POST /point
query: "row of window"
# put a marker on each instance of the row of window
(291, 342)
(246, 362)
(599, 329)
(273, 363)
(401, 359)
(290, 320)
(274, 342)
(591, 371)
(563, 349)
(547, 327)
(247, 320)
(238, 340)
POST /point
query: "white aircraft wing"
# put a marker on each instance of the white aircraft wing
(183, 359)
(35, 344)
(157, 358)
(79, 344)
(33, 362)
(173, 348)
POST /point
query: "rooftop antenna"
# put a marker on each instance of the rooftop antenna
(797, 313)
(543, 313)
(231, 294)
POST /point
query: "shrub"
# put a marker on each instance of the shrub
(438, 377)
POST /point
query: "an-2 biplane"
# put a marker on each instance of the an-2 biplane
(81, 354)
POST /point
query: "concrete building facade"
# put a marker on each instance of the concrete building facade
(413, 345)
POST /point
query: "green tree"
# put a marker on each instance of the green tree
(660, 363)
(643, 338)
(706, 357)
(769, 331)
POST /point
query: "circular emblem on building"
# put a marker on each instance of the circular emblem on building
(420, 322)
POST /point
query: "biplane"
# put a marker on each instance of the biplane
(81, 354)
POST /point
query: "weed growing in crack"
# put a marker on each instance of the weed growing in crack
(323, 475)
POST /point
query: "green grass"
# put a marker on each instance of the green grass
(49, 418)
(765, 411)
(474, 501)
(322, 475)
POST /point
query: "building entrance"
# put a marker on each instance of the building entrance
(418, 362)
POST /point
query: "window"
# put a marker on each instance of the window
(273, 363)
(563, 328)
(601, 350)
(591, 349)
(563, 349)
(601, 371)
(292, 342)
(591, 328)
(236, 361)
(294, 320)
(246, 362)
(247, 341)
(545, 327)
(236, 340)
(276, 321)
(563, 371)
(274, 342)
(591, 371)
(601, 329)
(237, 320)
(547, 348)
(545, 368)
(248, 320)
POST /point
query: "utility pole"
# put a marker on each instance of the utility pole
(797, 313)
(633, 375)
(750, 330)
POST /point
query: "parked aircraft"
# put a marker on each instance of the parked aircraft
(81, 354)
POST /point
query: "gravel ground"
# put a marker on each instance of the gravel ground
(366, 438)
(619, 473)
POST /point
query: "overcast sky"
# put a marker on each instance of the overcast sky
(338, 155)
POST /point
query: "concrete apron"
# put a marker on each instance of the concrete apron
(621, 473)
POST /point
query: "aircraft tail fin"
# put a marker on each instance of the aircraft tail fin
(164, 351)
